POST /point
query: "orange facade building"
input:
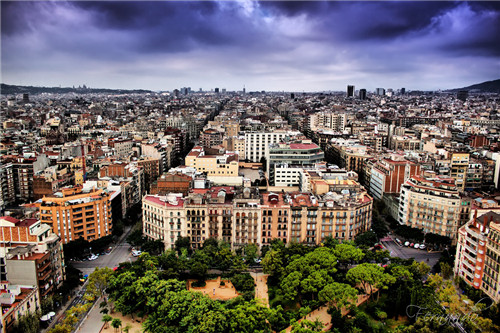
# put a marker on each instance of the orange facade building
(75, 214)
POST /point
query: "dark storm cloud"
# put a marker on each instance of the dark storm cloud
(319, 41)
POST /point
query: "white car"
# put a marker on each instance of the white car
(136, 253)
(422, 246)
(417, 246)
(93, 257)
(407, 243)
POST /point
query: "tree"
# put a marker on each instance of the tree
(307, 326)
(250, 251)
(307, 275)
(419, 269)
(249, 317)
(127, 328)
(135, 238)
(199, 269)
(339, 296)
(116, 323)
(273, 263)
(98, 282)
(347, 252)
(182, 243)
(367, 239)
(369, 277)
(446, 270)
(224, 259)
(106, 319)
(28, 323)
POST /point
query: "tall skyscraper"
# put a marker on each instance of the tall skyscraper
(403, 91)
(380, 91)
(216, 90)
(350, 91)
(362, 94)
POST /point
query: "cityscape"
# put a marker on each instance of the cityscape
(250, 166)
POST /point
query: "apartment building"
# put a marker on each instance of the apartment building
(164, 153)
(221, 168)
(387, 176)
(242, 216)
(17, 301)
(122, 147)
(7, 186)
(247, 216)
(459, 165)
(164, 218)
(291, 157)
(31, 254)
(73, 213)
(431, 204)
(235, 144)
(404, 143)
(331, 120)
(257, 144)
(211, 137)
(275, 217)
(348, 154)
(477, 259)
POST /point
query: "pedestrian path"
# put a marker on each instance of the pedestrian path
(261, 292)
(323, 315)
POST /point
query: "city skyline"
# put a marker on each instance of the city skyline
(272, 46)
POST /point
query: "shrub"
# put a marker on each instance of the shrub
(198, 284)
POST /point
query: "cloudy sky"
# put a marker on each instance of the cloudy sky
(273, 46)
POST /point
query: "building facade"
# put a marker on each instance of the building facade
(73, 214)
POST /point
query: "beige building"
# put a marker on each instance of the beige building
(459, 165)
(431, 204)
(221, 168)
(164, 218)
(17, 301)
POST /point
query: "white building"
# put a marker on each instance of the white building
(257, 144)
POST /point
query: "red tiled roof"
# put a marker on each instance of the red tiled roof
(27, 222)
(10, 219)
(303, 146)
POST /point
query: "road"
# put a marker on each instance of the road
(120, 253)
(407, 252)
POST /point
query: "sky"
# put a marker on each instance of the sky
(274, 46)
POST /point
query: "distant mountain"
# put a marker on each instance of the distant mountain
(488, 86)
(7, 89)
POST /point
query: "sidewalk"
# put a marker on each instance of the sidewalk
(92, 323)
(60, 313)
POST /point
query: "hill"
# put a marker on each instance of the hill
(8, 89)
(488, 86)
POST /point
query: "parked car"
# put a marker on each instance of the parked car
(412, 244)
(93, 257)
(398, 241)
(136, 253)
(417, 246)
(407, 243)
(422, 246)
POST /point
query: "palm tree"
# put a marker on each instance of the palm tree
(127, 328)
(116, 323)
(106, 319)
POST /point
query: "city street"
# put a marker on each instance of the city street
(120, 253)
(406, 252)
